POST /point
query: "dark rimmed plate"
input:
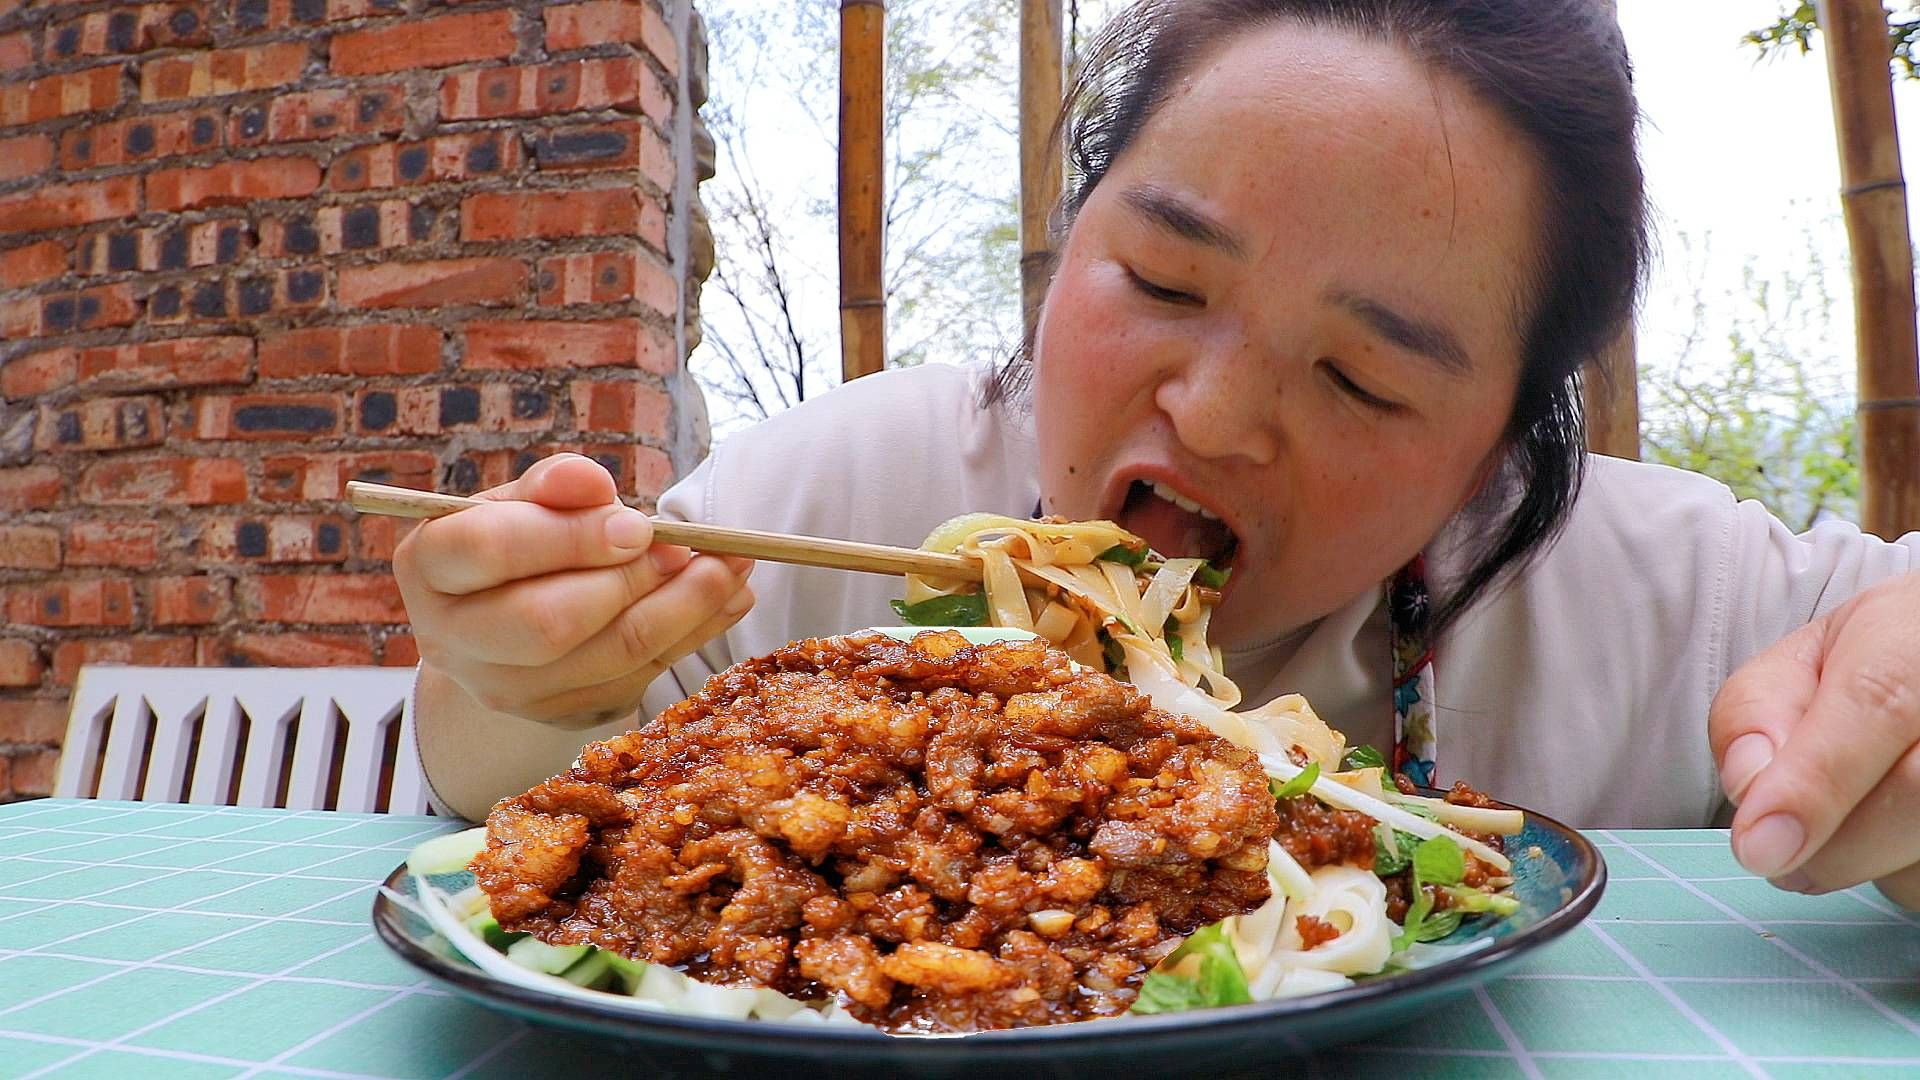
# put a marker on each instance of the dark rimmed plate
(1558, 878)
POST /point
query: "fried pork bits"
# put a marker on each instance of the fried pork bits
(952, 837)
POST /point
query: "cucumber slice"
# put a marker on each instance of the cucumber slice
(592, 971)
(533, 953)
(488, 929)
(448, 854)
(627, 973)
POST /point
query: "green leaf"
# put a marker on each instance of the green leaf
(1439, 926)
(1121, 553)
(1210, 577)
(1299, 785)
(1388, 861)
(1437, 861)
(1220, 981)
(1163, 993)
(1116, 656)
(1363, 757)
(963, 609)
(1416, 915)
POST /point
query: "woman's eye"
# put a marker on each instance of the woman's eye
(1161, 292)
(1356, 391)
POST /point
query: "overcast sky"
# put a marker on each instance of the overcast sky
(1740, 157)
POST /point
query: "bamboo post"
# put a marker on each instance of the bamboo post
(1611, 390)
(1873, 197)
(1042, 87)
(863, 300)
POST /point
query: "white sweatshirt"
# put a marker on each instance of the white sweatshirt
(1581, 690)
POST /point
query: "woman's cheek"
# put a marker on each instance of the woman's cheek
(1089, 327)
(1089, 361)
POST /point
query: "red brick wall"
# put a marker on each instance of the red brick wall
(251, 249)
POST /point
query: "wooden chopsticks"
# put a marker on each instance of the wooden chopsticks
(711, 539)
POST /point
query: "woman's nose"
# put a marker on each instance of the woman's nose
(1222, 400)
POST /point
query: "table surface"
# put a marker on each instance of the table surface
(171, 942)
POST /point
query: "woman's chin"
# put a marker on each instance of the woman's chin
(1252, 625)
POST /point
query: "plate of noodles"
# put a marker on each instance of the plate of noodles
(1032, 829)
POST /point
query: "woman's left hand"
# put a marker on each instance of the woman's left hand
(1818, 742)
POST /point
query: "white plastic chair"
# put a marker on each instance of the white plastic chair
(301, 738)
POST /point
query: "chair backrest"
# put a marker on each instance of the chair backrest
(302, 738)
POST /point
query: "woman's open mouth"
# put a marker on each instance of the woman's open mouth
(1175, 525)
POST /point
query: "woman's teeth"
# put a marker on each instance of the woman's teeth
(1182, 501)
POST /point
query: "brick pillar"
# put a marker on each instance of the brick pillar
(252, 249)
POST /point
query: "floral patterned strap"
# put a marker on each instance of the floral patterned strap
(1415, 738)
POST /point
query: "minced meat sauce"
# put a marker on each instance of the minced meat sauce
(950, 837)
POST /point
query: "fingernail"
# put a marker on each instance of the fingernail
(739, 565)
(669, 560)
(1798, 881)
(739, 605)
(1744, 759)
(629, 529)
(1769, 847)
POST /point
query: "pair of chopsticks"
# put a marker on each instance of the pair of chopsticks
(710, 539)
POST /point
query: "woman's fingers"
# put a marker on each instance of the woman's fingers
(561, 514)
(537, 621)
(582, 707)
(1860, 721)
(1757, 708)
(706, 597)
(1902, 888)
(1877, 840)
(485, 547)
(562, 482)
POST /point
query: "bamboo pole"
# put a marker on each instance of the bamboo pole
(1042, 87)
(1874, 201)
(1611, 390)
(863, 300)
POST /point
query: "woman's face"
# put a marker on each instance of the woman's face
(1293, 303)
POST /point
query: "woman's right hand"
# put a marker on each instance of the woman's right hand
(554, 604)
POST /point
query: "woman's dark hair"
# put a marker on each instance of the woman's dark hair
(1557, 71)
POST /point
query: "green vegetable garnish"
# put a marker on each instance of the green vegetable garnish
(1162, 993)
(1439, 926)
(592, 971)
(1211, 578)
(1437, 861)
(1363, 757)
(1171, 632)
(1299, 785)
(1478, 902)
(485, 925)
(626, 972)
(1121, 553)
(962, 609)
(1116, 656)
(1390, 859)
(447, 854)
(1220, 980)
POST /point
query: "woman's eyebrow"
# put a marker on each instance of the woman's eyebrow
(1176, 216)
(1428, 339)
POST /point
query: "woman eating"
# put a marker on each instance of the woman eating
(1327, 274)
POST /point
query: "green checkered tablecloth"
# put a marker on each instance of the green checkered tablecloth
(164, 941)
